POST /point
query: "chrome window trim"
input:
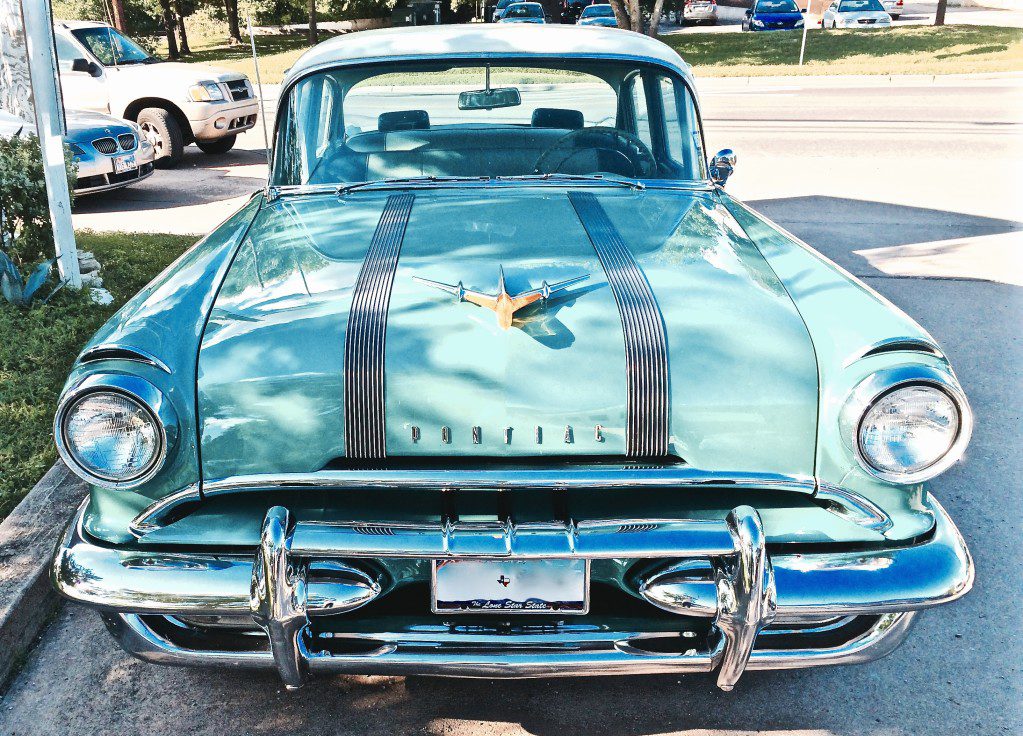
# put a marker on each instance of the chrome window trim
(684, 73)
(878, 385)
(135, 388)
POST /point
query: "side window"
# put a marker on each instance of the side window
(673, 129)
(66, 53)
(640, 110)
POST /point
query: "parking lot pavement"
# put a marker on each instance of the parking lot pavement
(940, 169)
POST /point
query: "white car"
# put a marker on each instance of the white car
(700, 11)
(894, 8)
(856, 14)
(175, 104)
(108, 152)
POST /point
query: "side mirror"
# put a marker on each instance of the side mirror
(85, 66)
(722, 166)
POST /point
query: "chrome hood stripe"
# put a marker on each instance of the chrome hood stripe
(646, 347)
(367, 326)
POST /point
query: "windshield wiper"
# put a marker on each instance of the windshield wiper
(406, 181)
(596, 178)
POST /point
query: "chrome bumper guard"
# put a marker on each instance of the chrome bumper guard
(714, 570)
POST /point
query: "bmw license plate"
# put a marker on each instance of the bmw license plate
(511, 586)
(124, 164)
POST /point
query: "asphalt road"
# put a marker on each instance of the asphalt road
(916, 189)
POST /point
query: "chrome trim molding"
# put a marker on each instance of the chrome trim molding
(367, 326)
(877, 385)
(594, 477)
(895, 345)
(853, 506)
(150, 398)
(122, 352)
(646, 344)
(725, 574)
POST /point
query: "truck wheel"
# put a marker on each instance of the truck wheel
(218, 145)
(163, 131)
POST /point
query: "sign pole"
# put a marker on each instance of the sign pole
(50, 127)
(802, 47)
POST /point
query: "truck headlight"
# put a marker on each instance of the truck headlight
(110, 430)
(910, 430)
(206, 92)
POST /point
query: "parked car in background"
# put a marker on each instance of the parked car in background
(700, 11)
(523, 13)
(620, 423)
(856, 14)
(110, 153)
(894, 8)
(502, 5)
(174, 104)
(571, 10)
(772, 15)
(598, 15)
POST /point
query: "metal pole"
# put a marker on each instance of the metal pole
(802, 47)
(259, 84)
(50, 127)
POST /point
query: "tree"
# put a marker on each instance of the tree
(234, 31)
(313, 35)
(180, 11)
(939, 15)
(118, 7)
(169, 27)
(629, 14)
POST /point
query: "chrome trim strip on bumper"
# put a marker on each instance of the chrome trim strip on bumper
(746, 590)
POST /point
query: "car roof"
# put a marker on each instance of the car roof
(74, 24)
(437, 42)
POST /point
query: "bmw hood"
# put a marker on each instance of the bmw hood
(339, 334)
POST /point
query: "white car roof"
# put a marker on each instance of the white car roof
(485, 39)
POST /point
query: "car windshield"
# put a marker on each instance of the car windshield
(524, 10)
(859, 6)
(111, 47)
(598, 11)
(488, 119)
(777, 6)
(502, 4)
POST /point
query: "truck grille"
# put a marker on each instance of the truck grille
(239, 89)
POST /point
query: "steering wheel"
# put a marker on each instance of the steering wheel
(625, 153)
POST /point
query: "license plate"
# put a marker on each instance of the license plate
(511, 586)
(124, 164)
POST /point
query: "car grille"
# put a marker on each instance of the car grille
(865, 21)
(105, 145)
(239, 90)
(127, 141)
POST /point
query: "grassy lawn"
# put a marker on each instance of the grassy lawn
(900, 50)
(37, 348)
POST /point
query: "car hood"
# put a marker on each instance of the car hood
(85, 121)
(778, 17)
(173, 73)
(606, 22)
(741, 367)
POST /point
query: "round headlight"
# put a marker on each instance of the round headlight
(906, 433)
(112, 436)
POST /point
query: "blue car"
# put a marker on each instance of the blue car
(773, 15)
(598, 15)
(523, 13)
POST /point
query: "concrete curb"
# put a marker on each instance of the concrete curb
(27, 538)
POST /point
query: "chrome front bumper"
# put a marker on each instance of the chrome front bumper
(719, 573)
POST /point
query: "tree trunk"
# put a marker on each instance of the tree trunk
(635, 16)
(182, 34)
(168, 25)
(234, 31)
(939, 15)
(313, 36)
(655, 18)
(621, 13)
(118, 6)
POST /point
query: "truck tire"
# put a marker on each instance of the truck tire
(218, 145)
(160, 127)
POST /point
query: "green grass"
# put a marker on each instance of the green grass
(900, 50)
(38, 347)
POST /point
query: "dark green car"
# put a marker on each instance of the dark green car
(495, 380)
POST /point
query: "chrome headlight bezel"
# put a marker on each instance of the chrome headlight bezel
(877, 386)
(138, 390)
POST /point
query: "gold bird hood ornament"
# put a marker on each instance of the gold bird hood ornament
(503, 304)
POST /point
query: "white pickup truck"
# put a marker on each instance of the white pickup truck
(174, 104)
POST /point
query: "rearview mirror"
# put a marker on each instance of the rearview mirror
(488, 99)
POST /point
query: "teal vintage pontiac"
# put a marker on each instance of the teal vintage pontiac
(494, 379)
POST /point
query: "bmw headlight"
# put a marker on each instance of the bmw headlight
(206, 92)
(910, 430)
(109, 430)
